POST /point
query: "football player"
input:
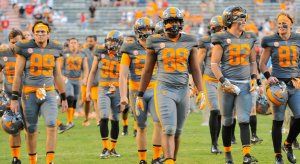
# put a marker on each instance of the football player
(174, 52)
(132, 62)
(7, 66)
(91, 45)
(283, 48)
(40, 60)
(107, 60)
(75, 61)
(211, 83)
(159, 28)
(234, 52)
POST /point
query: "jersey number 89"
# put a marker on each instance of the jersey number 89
(41, 64)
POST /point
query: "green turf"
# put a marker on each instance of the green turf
(82, 145)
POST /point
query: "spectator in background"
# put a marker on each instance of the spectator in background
(5, 26)
(27, 35)
(83, 21)
(165, 4)
(129, 17)
(22, 12)
(29, 9)
(92, 10)
(63, 18)
(138, 14)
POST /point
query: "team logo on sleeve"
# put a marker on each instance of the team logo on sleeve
(248, 36)
(135, 52)
(30, 50)
(228, 41)
(162, 45)
(276, 44)
(102, 56)
(5, 58)
(67, 55)
(211, 45)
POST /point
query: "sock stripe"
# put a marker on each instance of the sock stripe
(33, 154)
(156, 145)
(142, 150)
(15, 146)
(50, 152)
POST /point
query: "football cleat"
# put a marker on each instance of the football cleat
(248, 159)
(229, 162)
(287, 148)
(233, 140)
(215, 149)
(61, 128)
(86, 123)
(255, 140)
(278, 159)
(125, 131)
(105, 153)
(16, 161)
(156, 161)
(143, 162)
(296, 144)
(70, 126)
(228, 158)
(113, 153)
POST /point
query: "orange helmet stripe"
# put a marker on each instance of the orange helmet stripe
(173, 12)
(271, 97)
(111, 34)
(220, 20)
(146, 21)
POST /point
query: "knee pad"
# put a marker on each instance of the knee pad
(227, 121)
(70, 100)
(74, 103)
(31, 128)
(215, 112)
(170, 130)
(104, 127)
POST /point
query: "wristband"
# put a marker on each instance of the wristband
(140, 94)
(16, 93)
(14, 97)
(253, 76)
(267, 75)
(258, 81)
(222, 79)
(63, 96)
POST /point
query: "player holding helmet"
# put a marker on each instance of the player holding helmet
(284, 82)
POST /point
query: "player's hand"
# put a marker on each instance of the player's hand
(200, 100)
(230, 88)
(253, 85)
(84, 82)
(122, 108)
(261, 90)
(64, 105)
(124, 100)
(88, 96)
(272, 80)
(14, 106)
(139, 104)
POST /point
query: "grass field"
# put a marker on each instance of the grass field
(82, 145)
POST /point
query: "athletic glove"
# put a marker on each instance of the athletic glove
(200, 100)
(230, 88)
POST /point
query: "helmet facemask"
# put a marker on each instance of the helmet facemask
(171, 27)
